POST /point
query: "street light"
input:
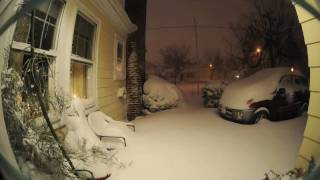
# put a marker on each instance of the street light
(211, 71)
(292, 69)
(258, 50)
(237, 76)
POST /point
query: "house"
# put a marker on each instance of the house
(85, 42)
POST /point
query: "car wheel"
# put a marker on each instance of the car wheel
(259, 116)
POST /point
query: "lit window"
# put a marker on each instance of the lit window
(119, 61)
(81, 59)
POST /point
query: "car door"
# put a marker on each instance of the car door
(283, 101)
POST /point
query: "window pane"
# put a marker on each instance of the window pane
(119, 52)
(44, 28)
(18, 60)
(79, 81)
(83, 38)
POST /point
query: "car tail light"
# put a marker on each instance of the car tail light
(249, 101)
(253, 106)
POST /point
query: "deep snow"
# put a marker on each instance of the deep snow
(195, 143)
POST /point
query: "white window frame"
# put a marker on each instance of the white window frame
(52, 53)
(82, 10)
(119, 75)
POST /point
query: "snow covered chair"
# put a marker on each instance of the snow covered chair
(80, 138)
(102, 125)
(93, 111)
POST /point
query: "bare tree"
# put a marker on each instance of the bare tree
(271, 36)
(176, 59)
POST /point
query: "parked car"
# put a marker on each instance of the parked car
(273, 93)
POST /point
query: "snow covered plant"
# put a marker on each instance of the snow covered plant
(212, 92)
(295, 174)
(29, 134)
(160, 95)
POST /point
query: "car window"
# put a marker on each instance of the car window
(285, 80)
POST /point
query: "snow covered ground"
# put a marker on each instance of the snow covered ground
(195, 143)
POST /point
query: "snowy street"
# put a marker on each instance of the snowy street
(195, 143)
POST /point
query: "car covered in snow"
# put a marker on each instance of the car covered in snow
(272, 93)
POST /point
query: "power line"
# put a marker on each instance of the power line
(192, 26)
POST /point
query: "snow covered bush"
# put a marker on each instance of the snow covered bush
(160, 95)
(295, 174)
(212, 92)
(29, 134)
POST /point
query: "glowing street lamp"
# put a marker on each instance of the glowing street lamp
(258, 50)
(292, 69)
(237, 76)
(211, 71)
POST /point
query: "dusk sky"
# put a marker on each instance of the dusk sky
(180, 13)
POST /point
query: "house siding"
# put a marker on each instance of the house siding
(107, 87)
(311, 142)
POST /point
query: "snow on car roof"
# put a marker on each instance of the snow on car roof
(258, 86)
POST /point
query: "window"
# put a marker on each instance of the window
(119, 61)
(82, 57)
(83, 38)
(46, 19)
(297, 80)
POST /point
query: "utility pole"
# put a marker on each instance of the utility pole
(195, 25)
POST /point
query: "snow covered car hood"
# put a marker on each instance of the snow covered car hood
(258, 87)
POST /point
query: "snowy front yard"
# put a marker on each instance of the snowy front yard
(195, 143)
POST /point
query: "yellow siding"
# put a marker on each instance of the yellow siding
(314, 79)
(312, 128)
(302, 163)
(309, 148)
(311, 31)
(311, 143)
(304, 15)
(314, 104)
(107, 87)
(314, 54)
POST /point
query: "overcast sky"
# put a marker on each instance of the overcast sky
(181, 13)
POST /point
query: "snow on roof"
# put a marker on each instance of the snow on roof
(258, 86)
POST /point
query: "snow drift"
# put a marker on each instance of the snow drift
(160, 95)
(258, 86)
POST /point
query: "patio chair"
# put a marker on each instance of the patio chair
(93, 111)
(101, 125)
(80, 138)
